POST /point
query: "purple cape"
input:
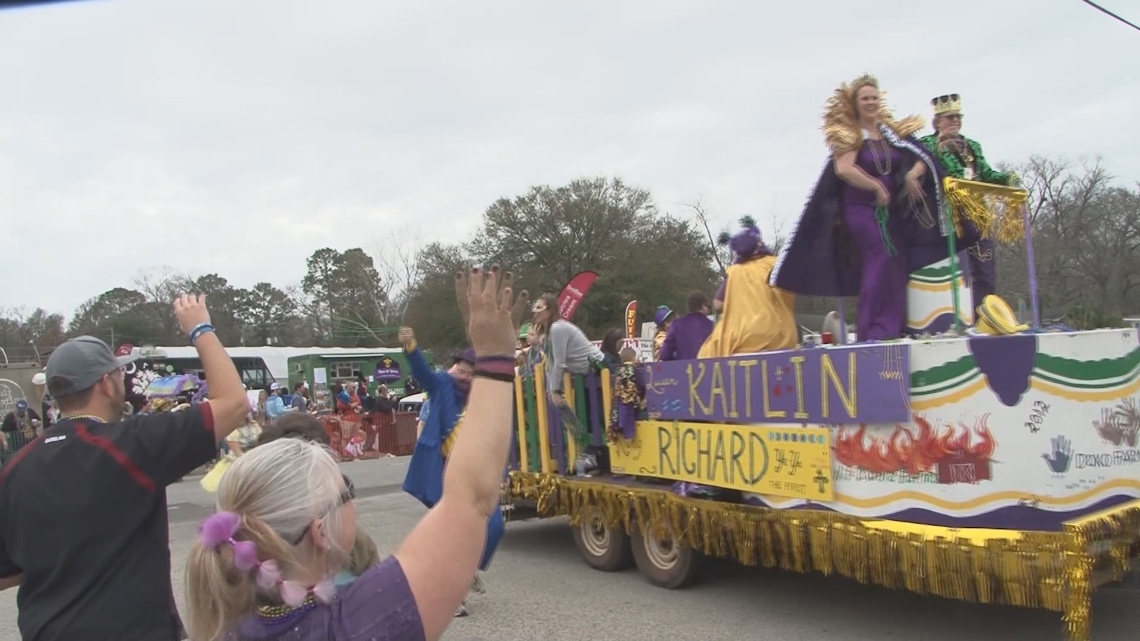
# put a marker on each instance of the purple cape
(820, 258)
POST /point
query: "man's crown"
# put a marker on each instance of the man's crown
(949, 103)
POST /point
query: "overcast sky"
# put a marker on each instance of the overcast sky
(238, 137)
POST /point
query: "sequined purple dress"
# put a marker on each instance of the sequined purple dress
(378, 606)
(884, 275)
(836, 247)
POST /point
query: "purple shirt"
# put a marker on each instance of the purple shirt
(378, 606)
(685, 336)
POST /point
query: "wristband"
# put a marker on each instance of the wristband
(199, 329)
(494, 359)
(496, 368)
(502, 378)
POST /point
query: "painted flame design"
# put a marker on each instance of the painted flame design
(904, 450)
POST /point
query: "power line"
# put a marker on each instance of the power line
(1107, 12)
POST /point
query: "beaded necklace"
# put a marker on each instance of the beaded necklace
(879, 166)
(280, 613)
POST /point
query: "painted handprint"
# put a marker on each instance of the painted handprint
(1062, 455)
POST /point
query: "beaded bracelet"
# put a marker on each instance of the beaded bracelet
(199, 330)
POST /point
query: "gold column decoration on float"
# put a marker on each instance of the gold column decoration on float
(1045, 570)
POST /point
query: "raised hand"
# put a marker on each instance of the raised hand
(489, 324)
(407, 336)
(190, 310)
(520, 309)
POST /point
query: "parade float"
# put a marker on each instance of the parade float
(995, 466)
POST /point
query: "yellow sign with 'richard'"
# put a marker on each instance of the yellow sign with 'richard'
(763, 459)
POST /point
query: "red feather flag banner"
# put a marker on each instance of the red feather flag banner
(573, 293)
(631, 319)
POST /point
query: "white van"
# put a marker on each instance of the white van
(411, 403)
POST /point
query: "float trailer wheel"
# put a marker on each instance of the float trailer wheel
(665, 563)
(603, 547)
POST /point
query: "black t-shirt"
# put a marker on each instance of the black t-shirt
(384, 404)
(83, 516)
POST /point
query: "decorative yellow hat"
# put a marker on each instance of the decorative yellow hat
(995, 318)
(948, 104)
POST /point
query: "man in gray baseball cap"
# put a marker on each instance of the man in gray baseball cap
(90, 550)
(77, 366)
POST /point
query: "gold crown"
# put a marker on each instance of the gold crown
(950, 103)
(865, 80)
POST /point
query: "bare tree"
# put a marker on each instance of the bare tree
(398, 266)
(721, 255)
(1086, 234)
(312, 313)
(161, 284)
(779, 238)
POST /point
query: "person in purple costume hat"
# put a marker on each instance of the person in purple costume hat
(875, 215)
(263, 567)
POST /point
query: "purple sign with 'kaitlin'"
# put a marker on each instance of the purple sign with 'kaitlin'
(854, 384)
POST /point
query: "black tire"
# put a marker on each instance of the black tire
(668, 564)
(604, 548)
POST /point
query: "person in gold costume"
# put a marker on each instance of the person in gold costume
(757, 317)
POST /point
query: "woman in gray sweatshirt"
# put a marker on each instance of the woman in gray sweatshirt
(567, 349)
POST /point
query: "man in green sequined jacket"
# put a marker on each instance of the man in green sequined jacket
(962, 157)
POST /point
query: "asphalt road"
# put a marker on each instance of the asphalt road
(539, 588)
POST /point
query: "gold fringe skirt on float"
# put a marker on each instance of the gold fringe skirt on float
(996, 210)
(1046, 570)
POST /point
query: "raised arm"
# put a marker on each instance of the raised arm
(420, 368)
(440, 555)
(228, 402)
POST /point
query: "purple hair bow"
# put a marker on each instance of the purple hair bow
(220, 528)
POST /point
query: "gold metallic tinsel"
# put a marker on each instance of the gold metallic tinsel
(1098, 544)
(994, 209)
(1046, 570)
(841, 128)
